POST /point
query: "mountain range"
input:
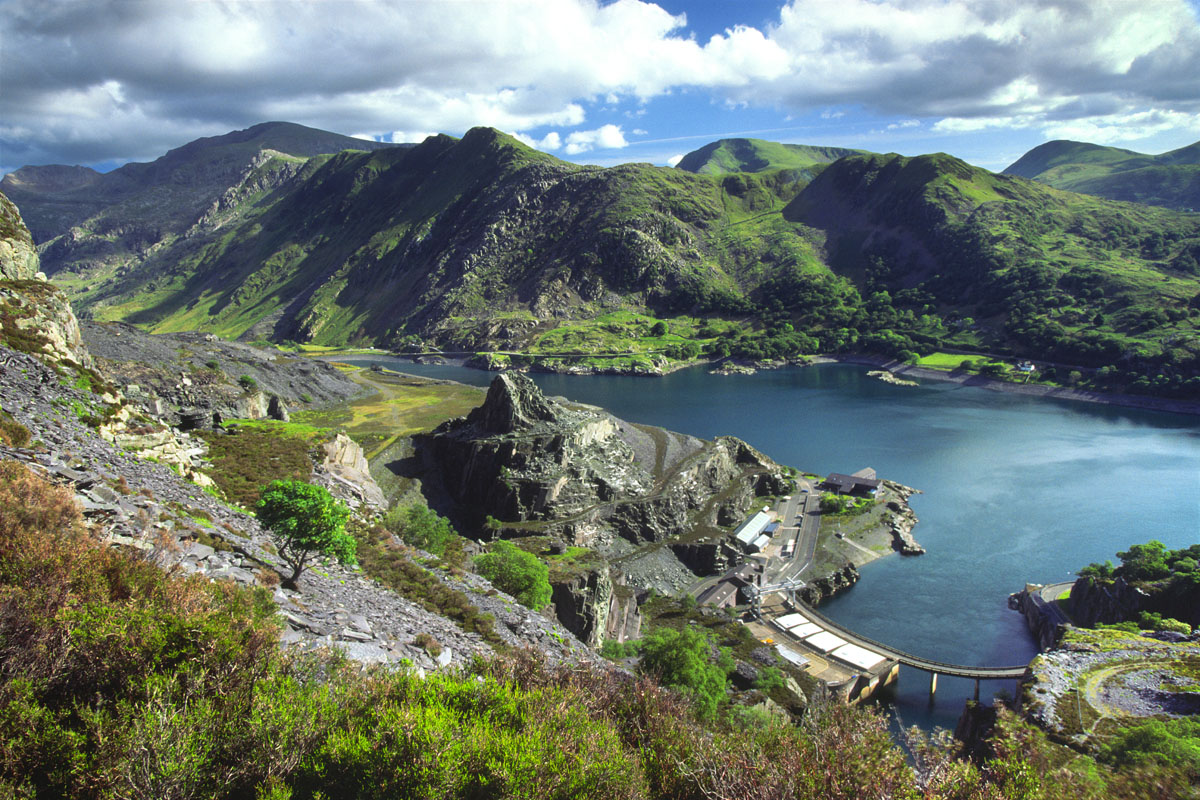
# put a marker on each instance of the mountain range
(483, 243)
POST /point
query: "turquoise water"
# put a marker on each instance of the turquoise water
(1015, 489)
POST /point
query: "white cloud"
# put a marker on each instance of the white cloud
(398, 137)
(904, 123)
(998, 59)
(87, 80)
(1118, 128)
(1121, 128)
(550, 142)
(606, 137)
(675, 159)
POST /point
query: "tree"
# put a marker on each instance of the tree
(517, 572)
(659, 329)
(1144, 562)
(683, 659)
(1098, 571)
(305, 522)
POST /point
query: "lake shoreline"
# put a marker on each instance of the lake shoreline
(897, 368)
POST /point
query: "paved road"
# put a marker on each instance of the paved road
(801, 505)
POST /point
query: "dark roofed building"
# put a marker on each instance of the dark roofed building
(721, 595)
(851, 484)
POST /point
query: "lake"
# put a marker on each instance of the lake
(1015, 489)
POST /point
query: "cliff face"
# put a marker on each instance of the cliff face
(521, 457)
(1094, 601)
(1043, 618)
(596, 606)
(18, 256)
(35, 317)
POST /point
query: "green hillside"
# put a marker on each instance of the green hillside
(484, 244)
(1039, 273)
(432, 238)
(755, 155)
(1171, 179)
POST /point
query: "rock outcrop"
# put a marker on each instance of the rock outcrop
(18, 256)
(345, 472)
(830, 586)
(35, 317)
(596, 606)
(903, 520)
(583, 475)
(1097, 601)
(1044, 619)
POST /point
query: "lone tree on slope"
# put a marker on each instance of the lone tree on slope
(305, 522)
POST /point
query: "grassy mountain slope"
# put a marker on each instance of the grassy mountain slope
(756, 155)
(1042, 273)
(1171, 179)
(429, 237)
(483, 244)
(111, 220)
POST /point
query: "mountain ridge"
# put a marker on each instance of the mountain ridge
(483, 243)
(1170, 179)
(757, 155)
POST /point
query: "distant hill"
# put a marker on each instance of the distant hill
(1171, 179)
(178, 185)
(755, 155)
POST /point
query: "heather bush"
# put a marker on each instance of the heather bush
(118, 680)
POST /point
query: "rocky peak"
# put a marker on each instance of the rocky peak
(513, 403)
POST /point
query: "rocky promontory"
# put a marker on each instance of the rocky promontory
(534, 464)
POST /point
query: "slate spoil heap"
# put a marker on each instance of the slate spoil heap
(133, 503)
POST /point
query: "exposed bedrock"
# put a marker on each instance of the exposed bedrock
(583, 475)
(596, 606)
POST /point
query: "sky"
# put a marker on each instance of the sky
(104, 82)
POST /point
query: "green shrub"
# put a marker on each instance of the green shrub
(611, 648)
(1150, 621)
(769, 680)
(420, 526)
(1171, 743)
(517, 572)
(248, 383)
